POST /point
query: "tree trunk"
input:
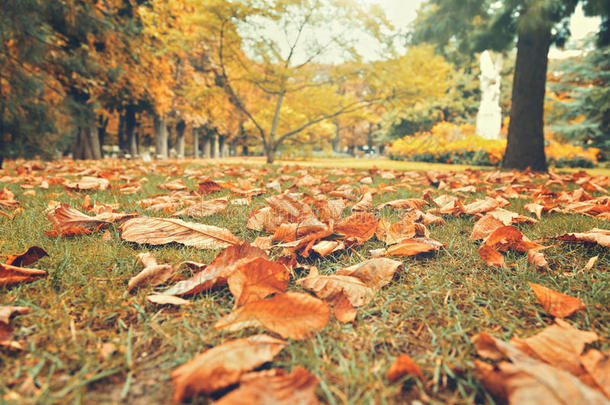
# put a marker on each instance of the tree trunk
(130, 125)
(180, 127)
(101, 131)
(336, 141)
(170, 143)
(270, 153)
(207, 147)
(160, 137)
(216, 150)
(525, 144)
(195, 143)
(86, 143)
(370, 138)
(121, 133)
(94, 139)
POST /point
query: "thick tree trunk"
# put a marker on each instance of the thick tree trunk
(94, 139)
(370, 138)
(160, 137)
(207, 147)
(180, 127)
(195, 143)
(270, 153)
(525, 145)
(130, 125)
(170, 143)
(216, 150)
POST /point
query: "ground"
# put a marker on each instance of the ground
(431, 309)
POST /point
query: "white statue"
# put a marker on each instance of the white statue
(489, 117)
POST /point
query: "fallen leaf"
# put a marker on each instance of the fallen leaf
(491, 256)
(358, 227)
(160, 231)
(402, 366)
(87, 183)
(66, 219)
(537, 258)
(290, 315)
(223, 365)
(326, 247)
(275, 387)
(257, 279)
(555, 303)
(31, 255)
(216, 273)
(415, 246)
(597, 365)
(152, 274)
(11, 275)
(599, 236)
(204, 208)
(163, 299)
(331, 286)
(375, 273)
(590, 263)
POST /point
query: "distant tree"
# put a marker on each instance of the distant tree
(580, 99)
(536, 24)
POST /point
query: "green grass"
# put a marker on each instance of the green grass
(430, 311)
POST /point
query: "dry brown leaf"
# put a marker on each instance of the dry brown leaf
(330, 210)
(415, 246)
(343, 310)
(485, 227)
(332, 286)
(509, 237)
(290, 315)
(365, 203)
(535, 383)
(204, 208)
(163, 299)
(88, 183)
(153, 273)
(358, 227)
(375, 273)
(537, 258)
(402, 366)
(406, 203)
(263, 220)
(274, 387)
(31, 255)
(597, 364)
(491, 256)
(11, 275)
(223, 365)
(392, 233)
(217, 272)
(160, 231)
(65, 219)
(559, 345)
(590, 263)
(326, 247)
(599, 236)
(257, 279)
(556, 303)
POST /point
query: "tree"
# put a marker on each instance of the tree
(485, 24)
(579, 107)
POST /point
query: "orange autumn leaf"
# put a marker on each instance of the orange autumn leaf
(413, 247)
(375, 273)
(68, 221)
(163, 299)
(257, 279)
(537, 258)
(216, 273)
(597, 365)
(329, 287)
(555, 303)
(509, 237)
(491, 256)
(274, 387)
(358, 227)
(223, 365)
(290, 315)
(402, 366)
(204, 208)
(11, 275)
(161, 231)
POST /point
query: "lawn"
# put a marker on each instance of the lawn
(88, 340)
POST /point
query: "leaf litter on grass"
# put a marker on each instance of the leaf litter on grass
(297, 217)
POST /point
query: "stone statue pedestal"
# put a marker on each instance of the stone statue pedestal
(489, 117)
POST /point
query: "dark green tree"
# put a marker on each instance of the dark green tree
(475, 25)
(585, 117)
